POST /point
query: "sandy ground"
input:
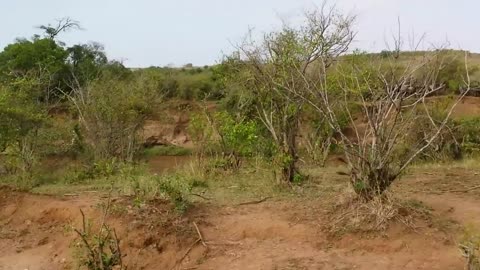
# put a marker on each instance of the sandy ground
(35, 233)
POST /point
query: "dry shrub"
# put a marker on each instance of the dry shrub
(353, 214)
(111, 113)
(99, 250)
(470, 248)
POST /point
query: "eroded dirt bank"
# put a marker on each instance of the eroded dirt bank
(36, 233)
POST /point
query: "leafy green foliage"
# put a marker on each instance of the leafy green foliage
(202, 134)
(86, 61)
(459, 138)
(166, 150)
(98, 250)
(19, 115)
(469, 129)
(40, 58)
(220, 133)
(265, 77)
(173, 187)
(240, 137)
(446, 145)
(111, 112)
(56, 67)
(452, 70)
(187, 84)
(21, 119)
(19, 58)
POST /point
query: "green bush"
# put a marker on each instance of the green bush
(98, 249)
(187, 84)
(230, 139)
(174, 188)
(166, 150)
(469, 129)
(111, 112)
(203, 135)
(447, 145)
(239, 136)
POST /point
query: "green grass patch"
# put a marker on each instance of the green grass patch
(166, 150)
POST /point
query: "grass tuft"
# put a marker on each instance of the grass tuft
(166, 150)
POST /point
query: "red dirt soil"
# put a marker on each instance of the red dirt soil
(469, 106)
(35, 235)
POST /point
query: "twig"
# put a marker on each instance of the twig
(199, 234)
(200, 196)
(255, 202)
(117, 246)
(70, 195)
(464, 190)
(83, 236)
(199, 240)
(186, 253)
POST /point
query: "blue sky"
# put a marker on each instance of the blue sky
(162, 32)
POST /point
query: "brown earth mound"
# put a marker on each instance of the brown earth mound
(35, 234)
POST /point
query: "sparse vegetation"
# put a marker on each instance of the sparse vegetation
(166, 150)
(294, 123)
(470, 248)
(99, 250)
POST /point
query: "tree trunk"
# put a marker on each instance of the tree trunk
(289, 168)
(372, 185)
(288, 172)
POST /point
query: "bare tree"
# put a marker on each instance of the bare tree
(390, 94)
(275, 68)
(62, 25)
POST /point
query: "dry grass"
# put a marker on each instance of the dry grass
(458, 177)
(470, 248)
(350, 214)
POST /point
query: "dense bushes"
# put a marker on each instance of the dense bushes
(186, 84)
(111, 112)
(469, 131)
(458, 139)
(230, 139)
(261, 99)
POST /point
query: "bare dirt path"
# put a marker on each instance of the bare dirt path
(280, 236)
(34, 230)
(271, 235)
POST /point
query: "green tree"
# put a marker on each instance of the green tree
(280, 67)
(23, 56)
(86, 61)
(21, 118)
(41, 59)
